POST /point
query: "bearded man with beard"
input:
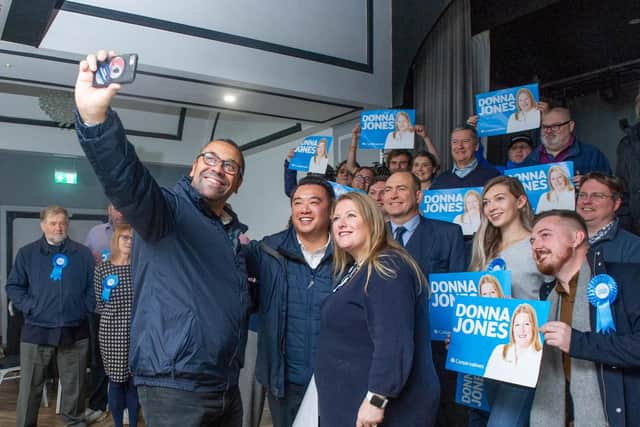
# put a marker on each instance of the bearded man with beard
(591, 360)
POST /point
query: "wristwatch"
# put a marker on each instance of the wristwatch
(376, 400)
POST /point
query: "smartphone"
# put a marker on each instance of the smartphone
(117, 69)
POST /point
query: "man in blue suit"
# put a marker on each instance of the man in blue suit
(438, 247)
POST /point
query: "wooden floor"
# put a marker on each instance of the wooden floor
(47, 416)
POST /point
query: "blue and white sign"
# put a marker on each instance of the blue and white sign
(312, 155)
(339, 189)
(498, 338)
(387, 129)
(446, 287)
(475, 392)
(548, 186)
(508, 110)
(458, 205)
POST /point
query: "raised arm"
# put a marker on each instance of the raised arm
(127, 183)
(352, 162)
(422, 133)
(290, 175)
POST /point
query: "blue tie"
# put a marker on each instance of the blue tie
(399, 233)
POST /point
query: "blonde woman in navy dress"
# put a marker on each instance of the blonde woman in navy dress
(374, 363)
(114, 298)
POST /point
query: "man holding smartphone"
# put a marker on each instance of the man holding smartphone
(191, 302)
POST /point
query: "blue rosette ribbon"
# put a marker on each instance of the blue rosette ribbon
(497, 264)
(104, 255)
(602, 292)
(59, 261)
(108, 283)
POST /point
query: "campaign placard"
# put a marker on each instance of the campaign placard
(498, 338)
(339, 189)
(446, 287)
(387, 129)
(508, 110)
(548, 186)
(475, 392)
(312, 155)
(458, 205)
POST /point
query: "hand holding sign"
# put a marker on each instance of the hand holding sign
(557, 334)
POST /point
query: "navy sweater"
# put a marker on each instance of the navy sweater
(476, 178)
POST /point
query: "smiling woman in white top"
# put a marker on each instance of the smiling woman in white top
(561, 194)
(528, 116)
(518, 361)
(403, 135)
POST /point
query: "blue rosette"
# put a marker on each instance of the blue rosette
(602, 292)
(104, 255)
(59, 261)
(108, 284)
(498, 264)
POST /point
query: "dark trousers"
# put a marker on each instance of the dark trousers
(98, 378)
(123, 395)
(171, 407)
(450, 414)
(72, 366)
(283, 411)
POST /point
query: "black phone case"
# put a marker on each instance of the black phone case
(117, 69)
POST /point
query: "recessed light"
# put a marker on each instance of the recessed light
(634, 21)
(7, 65)
(230, 99)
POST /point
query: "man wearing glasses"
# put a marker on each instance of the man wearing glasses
(191, 302)
(559, 144)
(598, 200)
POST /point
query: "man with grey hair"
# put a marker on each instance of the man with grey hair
(51, 283)
(466, 171)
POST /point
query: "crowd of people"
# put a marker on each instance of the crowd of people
(340, 296)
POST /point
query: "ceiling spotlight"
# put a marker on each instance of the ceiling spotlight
(7, 65)
(230, 99)
(634, 21)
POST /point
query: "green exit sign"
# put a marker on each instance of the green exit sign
(66, 177)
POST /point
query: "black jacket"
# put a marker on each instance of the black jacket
(617, 355)
(191, 302)
(628, 159)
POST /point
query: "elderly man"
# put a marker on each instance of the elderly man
(589, 373)
(294, 273)
(598, 200)
(191, 302)
(559, 144)
(51, 282)
(466, 172)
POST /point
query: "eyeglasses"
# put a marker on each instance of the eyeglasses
(364, 178)
(229, 166)
(595, 196)
(126, 238)
(554, 128)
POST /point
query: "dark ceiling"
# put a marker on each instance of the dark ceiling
(571, 47)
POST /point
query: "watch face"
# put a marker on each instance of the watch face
(377, 401)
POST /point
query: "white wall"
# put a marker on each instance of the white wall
(334, 28)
